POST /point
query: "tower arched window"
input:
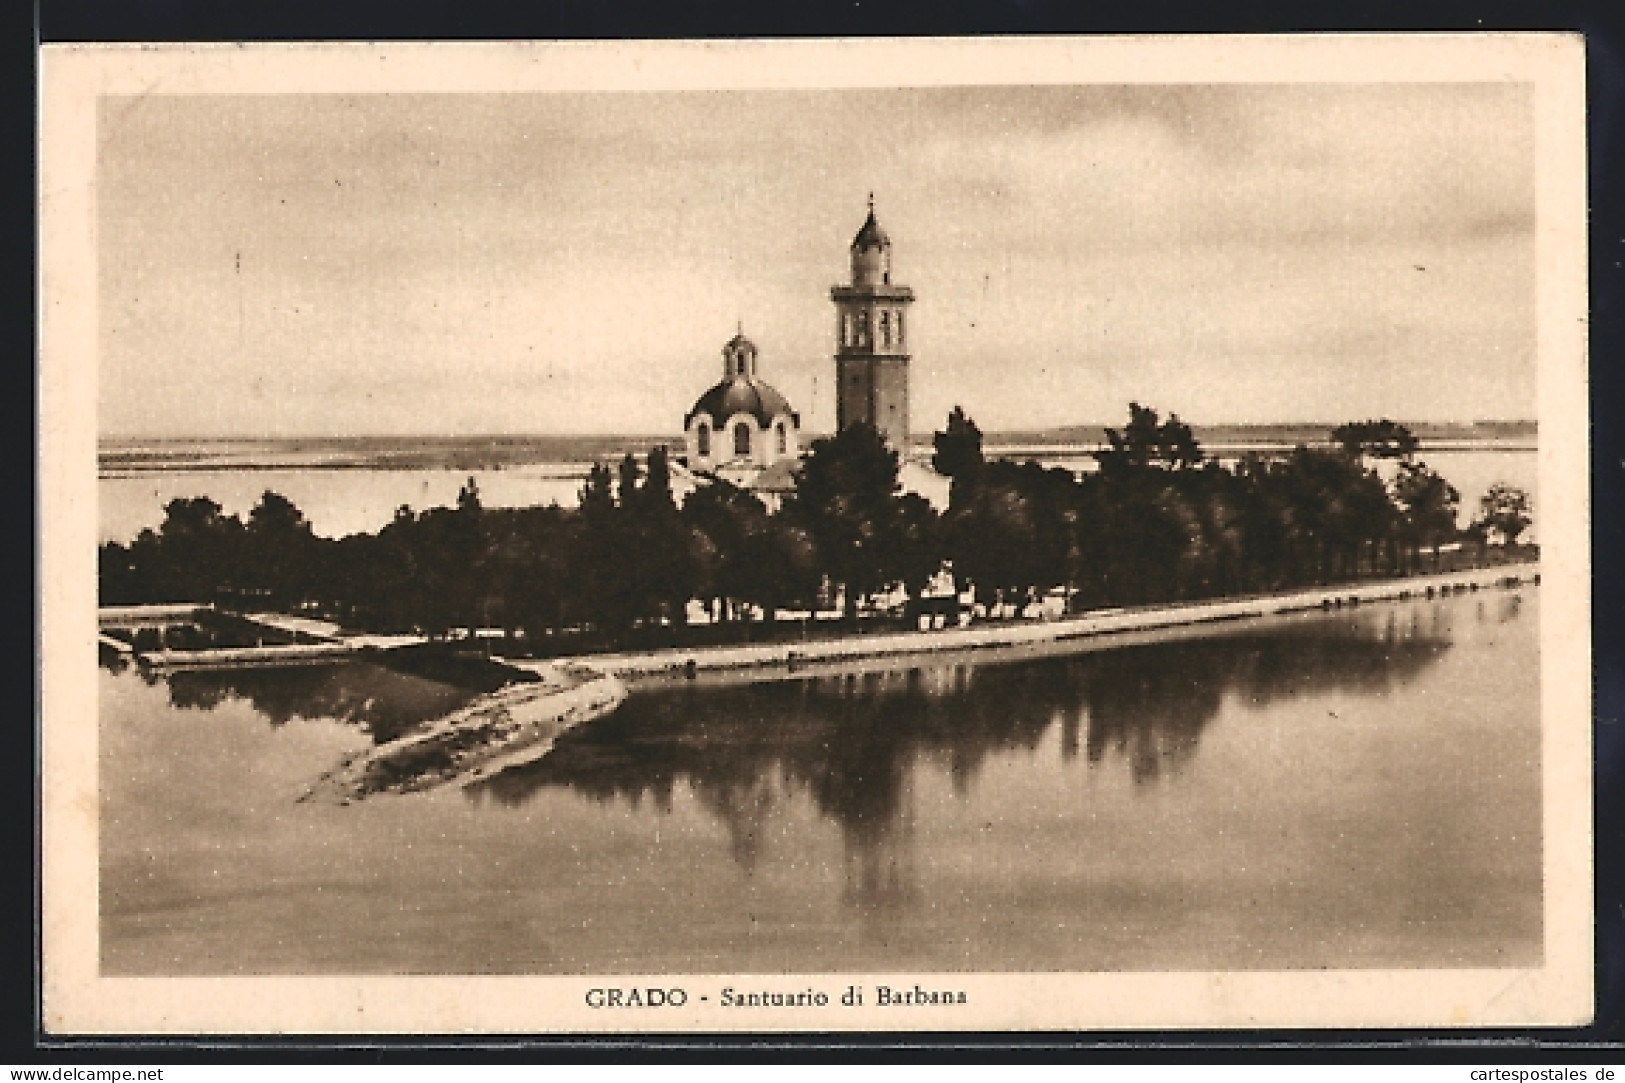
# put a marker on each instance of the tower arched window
(742, 438)
(702, 440)
(885, 328)
(784, 440)
(898, 321)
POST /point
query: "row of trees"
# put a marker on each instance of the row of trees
(1158, 521)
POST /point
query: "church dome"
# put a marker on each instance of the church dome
(742, 395)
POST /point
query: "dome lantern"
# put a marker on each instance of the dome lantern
(739, 358)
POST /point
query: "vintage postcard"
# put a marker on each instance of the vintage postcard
(1006, 534)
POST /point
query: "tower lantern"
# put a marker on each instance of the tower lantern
(871, 336)
(871, 252)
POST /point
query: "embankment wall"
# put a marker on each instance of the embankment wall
(1104, 623)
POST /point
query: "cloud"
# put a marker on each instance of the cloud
(573, 262)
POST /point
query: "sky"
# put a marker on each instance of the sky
(284, 264)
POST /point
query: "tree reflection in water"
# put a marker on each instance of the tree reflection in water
(853, 743)
(384, 702)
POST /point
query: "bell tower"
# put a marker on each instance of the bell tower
(871, 339)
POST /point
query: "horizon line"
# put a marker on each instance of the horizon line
(647, 436)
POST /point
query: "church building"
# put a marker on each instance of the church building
(742, 427)
(744, 431)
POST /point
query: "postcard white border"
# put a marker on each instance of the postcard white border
(77, 1000)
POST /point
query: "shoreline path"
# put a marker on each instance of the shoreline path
(1113, 627)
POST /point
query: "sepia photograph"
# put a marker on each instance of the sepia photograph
(826, 535)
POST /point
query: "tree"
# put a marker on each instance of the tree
(198, 552)
(914, 549)
(277, 516)
(1016, 535)
(655, 543)
(633, 553)
(1505, 510)
(598, 494)
(655, 493)
(733, 547)
(468, 497)
(1383, 439)
(440, 581)
(279, 552)
(846, 499)
(1332, 511)
(1427, 507)
(528, 567)
(994, 538)
(1153, 536)
(958, 455)
(628, 474)
(1147, 442)
(1219, 502)
(598, 556)
(1149, 501)
(1177, 445)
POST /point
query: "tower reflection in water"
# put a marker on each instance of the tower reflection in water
(855, 744)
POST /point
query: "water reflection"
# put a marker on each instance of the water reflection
(852, 744)
(1171, 806)
(384, 702)
(850, 738)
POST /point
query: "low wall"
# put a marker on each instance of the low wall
(667, 663)
(291, 654)
(149, 616)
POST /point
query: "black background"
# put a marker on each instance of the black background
(1603, 25)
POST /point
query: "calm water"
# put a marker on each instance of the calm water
(1352, 789)
(347, 501)
(336, 501)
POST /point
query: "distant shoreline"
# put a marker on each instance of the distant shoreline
(129, 456)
